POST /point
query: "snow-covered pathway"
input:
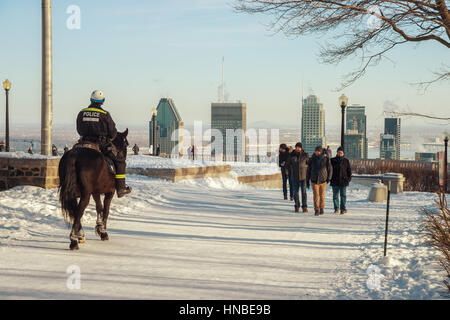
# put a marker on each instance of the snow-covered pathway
(215, 239)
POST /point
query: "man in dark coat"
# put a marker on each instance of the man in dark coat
(135, 149)
(298, 165)
(342, 175)
(319, 173)
(283, 158)
(54, 151)
(95, 125)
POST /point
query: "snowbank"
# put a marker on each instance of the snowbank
(24, 155)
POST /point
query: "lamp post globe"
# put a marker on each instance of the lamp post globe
(7, 85)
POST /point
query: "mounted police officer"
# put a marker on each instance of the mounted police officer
(95, 125)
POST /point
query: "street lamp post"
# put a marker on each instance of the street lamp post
(47, 81)
(7, 87)
(445, 164)
(343, 100)
(154, 113)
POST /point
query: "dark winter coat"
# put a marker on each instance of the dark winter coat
(342, 172)
(298, 164)
(283, 158)
(94, 122)
(319, 169)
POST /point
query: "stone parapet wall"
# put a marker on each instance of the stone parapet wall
(35, 172)
(267, 181)
(178, 174)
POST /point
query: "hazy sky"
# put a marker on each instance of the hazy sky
(139, 51)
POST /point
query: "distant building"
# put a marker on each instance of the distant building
(313, 124)
(356, 124)
(231, 120)
(167, 121)
(426, 156)
(355, 142)
(392, 127)
(388, 148)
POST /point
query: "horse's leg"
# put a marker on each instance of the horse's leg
(76, 227)
(81, 235)
(107, 203)
(99, 209)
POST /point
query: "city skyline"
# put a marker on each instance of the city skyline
(181, 57)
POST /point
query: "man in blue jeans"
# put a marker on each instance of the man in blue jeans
(283, 158)
(342, 175)
(298, 164)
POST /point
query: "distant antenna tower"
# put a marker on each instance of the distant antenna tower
(221, 88)
(223, 80)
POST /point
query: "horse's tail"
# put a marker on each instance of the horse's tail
(68, 185)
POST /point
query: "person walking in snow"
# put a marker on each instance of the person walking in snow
(319, 172)
(342, 175)
(54, 151)
(135, 149)
(283, 159)
(189, 152)
(298, 165)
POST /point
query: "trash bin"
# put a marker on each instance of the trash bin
(396, 181)
(378, 192)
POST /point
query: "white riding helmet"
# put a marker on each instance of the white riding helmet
(97, 96)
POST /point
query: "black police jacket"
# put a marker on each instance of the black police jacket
(93, 123)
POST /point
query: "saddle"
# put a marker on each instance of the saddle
(96, 147)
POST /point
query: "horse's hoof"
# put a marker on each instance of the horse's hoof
(74, 245)
(104, 236)
(82, 240)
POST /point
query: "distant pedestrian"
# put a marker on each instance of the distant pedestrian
(135, 149)
(54, 151)
(298, 164)
(30, 150)
(283, 159)
(158, 150)
(342, 175)
(193, 152)
(66, 148)
(189, 152)
(319, 173)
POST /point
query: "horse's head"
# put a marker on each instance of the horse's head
(121, 142)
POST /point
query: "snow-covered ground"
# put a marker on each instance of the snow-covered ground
(24, 155)
(239, 168)
(216, 239)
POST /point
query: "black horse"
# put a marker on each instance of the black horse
(84, 171)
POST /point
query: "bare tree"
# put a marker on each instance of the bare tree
(367, 29)
(414, 114)
(437, 232)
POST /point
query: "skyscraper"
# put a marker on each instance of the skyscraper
(313, 124)
(387, 147)
(354, 141)
(356, 112)
(231, 120)
(167, 121)
(391, 127)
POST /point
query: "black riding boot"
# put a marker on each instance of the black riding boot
(121, 187)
